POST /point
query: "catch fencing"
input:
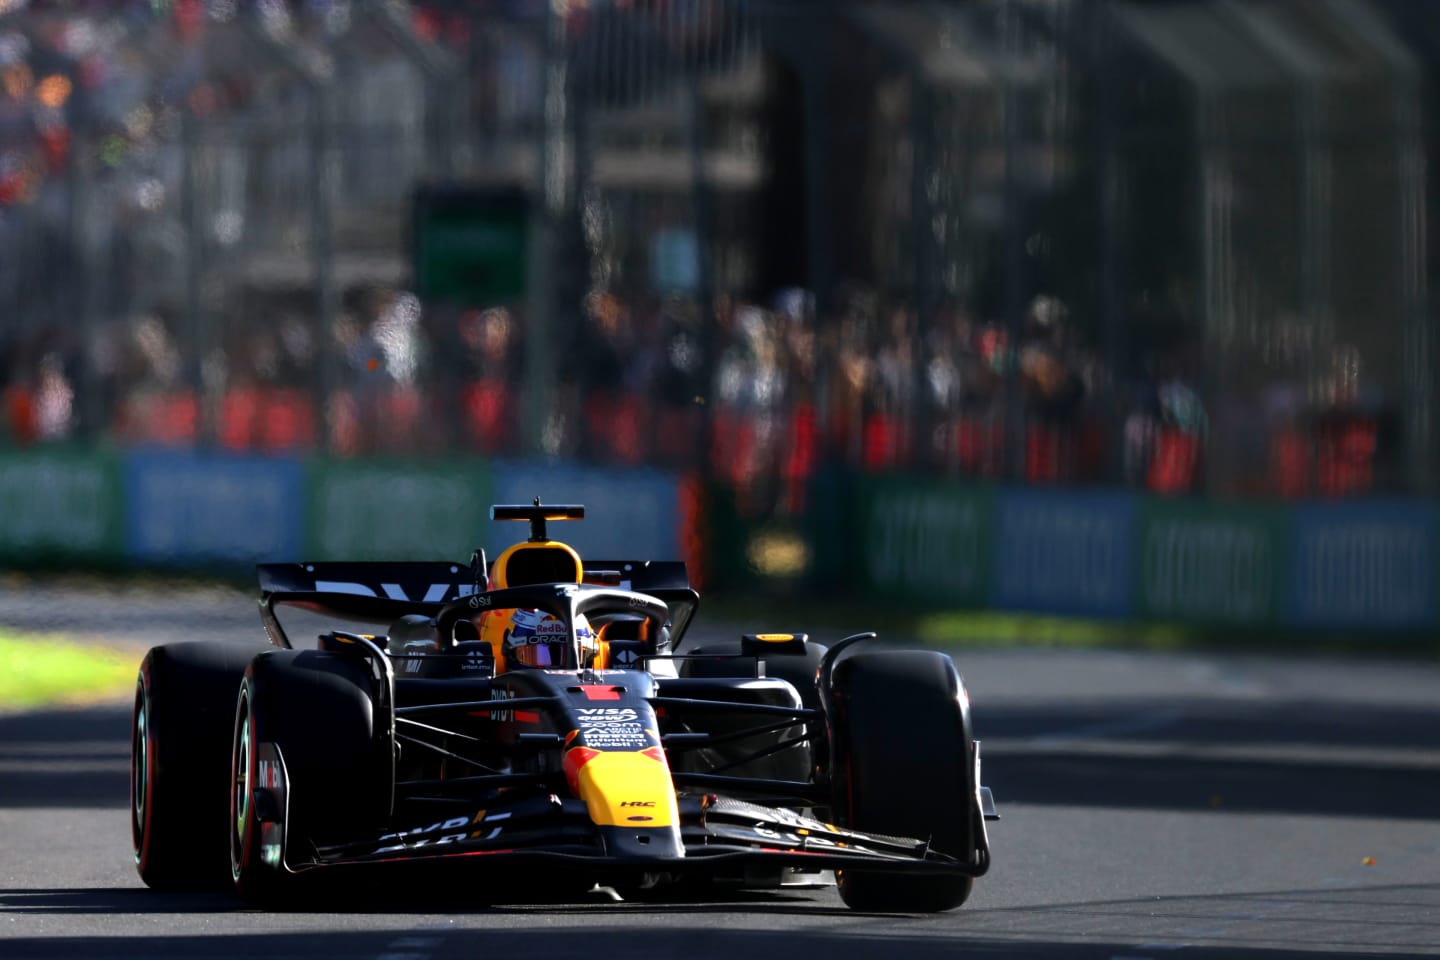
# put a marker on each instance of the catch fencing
(1178, 248)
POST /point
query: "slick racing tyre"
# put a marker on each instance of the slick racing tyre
(317, 709)
(179, 761)
(902, 762)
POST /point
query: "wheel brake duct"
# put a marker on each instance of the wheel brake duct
(384, 732)
(823, 675)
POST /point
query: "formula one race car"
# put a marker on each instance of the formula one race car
(540, 715)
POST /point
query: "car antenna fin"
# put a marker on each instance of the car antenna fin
(479, 571)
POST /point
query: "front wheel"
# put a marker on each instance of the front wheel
(903, 765)
(256, 849)
(306, 766)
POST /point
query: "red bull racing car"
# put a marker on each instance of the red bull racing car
(543, 715)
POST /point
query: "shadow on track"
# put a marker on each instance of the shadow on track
(1223, 721)
(611, 942)
(408, 900)
(66, 758)
(1342, 760)
(135, 900)
(1189, 783)
(1402, 896)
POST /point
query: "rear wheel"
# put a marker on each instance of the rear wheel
(179, 731)
(316, 709)
(902, 766)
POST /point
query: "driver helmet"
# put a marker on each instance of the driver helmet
(534, 638)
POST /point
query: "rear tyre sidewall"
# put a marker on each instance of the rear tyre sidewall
(179, 759)
(902, 766)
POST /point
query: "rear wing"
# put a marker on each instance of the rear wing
(381, 591)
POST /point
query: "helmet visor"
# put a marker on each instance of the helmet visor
(538, 639)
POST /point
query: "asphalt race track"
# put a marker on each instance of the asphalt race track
(1154, 806)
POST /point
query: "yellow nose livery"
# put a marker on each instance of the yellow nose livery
(623, 788)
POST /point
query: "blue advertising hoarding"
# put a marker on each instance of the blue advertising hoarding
(1070, 553)
(185, 507)
(1353, 565)
(629, 514)
(1363, 565)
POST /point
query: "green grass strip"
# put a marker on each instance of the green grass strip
(43, 669)
(1008, 629)
(940, 628)
(988, 628)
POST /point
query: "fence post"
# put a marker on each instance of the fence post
(1014, 247)
(322, 239)
(1102, 65)
(1418, 341)
(92, 276)
(704, 254)
(445, 92)
(197, 324)
(817, 132)
(922, 215)
(551, 192)
(318, 80)
(1212, 239)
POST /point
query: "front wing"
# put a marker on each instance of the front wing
(716, 832)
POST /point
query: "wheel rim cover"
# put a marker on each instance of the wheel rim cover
(242, 791)
(139, 768)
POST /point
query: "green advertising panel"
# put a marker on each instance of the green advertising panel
(470, 245)
(393, 510)
(1211, 562)
(922, 540)
(59, 504)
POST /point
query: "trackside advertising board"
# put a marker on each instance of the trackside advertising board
(628, 513)
(924, 542)
(185, 507)
(1371, 566)
(1211, 562)
(60, 505)
(397, 510)
(1364, 565)
(1064, 552)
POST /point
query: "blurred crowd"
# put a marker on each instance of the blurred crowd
(628, 383)
(759, 391)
